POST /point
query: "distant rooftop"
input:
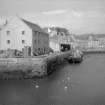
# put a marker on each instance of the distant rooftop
(57, 29)
(86, 36)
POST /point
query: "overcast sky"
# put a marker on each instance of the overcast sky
(79, 16)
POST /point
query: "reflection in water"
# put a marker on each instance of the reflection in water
(82, 84)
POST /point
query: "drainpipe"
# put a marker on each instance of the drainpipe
(0, 38)
(32, 44)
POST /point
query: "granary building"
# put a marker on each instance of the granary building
(19, 33)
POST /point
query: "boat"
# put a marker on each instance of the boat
(76, 56)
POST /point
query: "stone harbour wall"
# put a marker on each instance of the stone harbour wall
(31, 67)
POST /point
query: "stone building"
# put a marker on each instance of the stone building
(54, 44)
(91, 42)
(57, 43)
(18, 33)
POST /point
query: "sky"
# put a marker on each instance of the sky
(78, 16)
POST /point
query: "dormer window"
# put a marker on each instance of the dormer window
(23, 32)
(8, 32)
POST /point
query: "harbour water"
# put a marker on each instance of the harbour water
(80, 84)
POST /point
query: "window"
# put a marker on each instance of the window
(23, 32)
(23, 41)
(38, 49)
(38, 41)
(39, 32)
(8, 32)
(35, 32)
(8, 41)
(35, 41)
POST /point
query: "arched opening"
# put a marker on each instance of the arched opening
(65, 47)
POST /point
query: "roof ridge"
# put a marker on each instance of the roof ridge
(33, 25)
(29, 22)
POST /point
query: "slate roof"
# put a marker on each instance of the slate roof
(57, 29)
(33, 26)
(28, 23)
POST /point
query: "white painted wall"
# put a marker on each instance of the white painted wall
(54, 46)
(15, 26)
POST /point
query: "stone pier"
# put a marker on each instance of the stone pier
(31, 67)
